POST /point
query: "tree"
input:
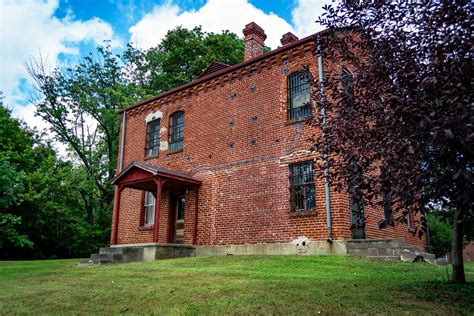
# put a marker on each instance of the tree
(402, 124)
(80, 102)
(80, 105)
(440, 235)
(42, 214)
(181, 57)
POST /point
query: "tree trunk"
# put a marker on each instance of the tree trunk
(457, 247)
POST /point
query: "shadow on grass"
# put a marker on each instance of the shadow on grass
(440, 292)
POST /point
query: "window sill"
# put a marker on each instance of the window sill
(303, 213)
(146, 227)
(174, 151)
(151, 157)
(299, 120)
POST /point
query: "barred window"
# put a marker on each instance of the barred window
(176, 131)
(299, 104)
(149, 208)
(346, 80)
(153, 138)
(302, 190)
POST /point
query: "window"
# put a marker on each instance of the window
(346, 79)
(387, 207)
(357, 217)
(153, 138)
(302, 191)
(410, 221)
(176, 131)
(299, 104)
(149, 209)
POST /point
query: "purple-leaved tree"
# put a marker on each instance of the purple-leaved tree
(399, 106)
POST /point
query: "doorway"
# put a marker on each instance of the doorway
(357, 218)
(179, 219)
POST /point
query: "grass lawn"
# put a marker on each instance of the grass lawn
(233, 285)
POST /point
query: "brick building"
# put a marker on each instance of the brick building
(225, 160)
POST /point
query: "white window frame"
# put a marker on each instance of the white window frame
(149, 206)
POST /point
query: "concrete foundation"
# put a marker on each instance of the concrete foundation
(310, 248)
(387, 249)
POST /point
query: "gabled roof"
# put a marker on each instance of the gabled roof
(154, 171)
(217, 73)
(213, 67)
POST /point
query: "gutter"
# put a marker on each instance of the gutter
(122, 145)
(325, 155)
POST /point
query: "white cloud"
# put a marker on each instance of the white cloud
(305, 14)
(214, 16)
(28, 28)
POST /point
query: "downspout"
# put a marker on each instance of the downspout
(323, 136)
(124, 122)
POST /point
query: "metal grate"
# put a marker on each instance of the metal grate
(299, 104)
(357, 217)
(302, 190)
(153, 138)
(176, 131)
(347, 81)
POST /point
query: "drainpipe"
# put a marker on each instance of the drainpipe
(323, 136)
(124, 122)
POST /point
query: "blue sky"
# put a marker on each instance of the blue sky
(61, 31)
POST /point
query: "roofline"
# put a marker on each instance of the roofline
(159, 171)
(226, 70)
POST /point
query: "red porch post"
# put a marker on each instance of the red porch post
(118, 192)
(156, 225)
(196, 208)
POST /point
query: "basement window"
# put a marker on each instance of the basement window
(302, 190)
(176, 137)
(299, 105)
(153, 138)
(149, 208)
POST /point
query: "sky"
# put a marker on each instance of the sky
(61, 31)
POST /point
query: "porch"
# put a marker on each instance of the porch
(157, 181)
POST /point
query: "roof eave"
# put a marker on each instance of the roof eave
(225, 70)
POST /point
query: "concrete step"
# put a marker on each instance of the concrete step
(417, 256)
(102, 256)
(111, 250)
(374, 243)
(385, 258)
(86, 263)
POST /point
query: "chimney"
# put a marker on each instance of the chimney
(288, 38)
(254, 39)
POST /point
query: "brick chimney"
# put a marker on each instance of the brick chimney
(288, 38)
(254, 40)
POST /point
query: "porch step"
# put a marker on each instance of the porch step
(106, 257)
(385, 258)
(388, 249)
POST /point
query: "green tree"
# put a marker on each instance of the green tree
(181, 57)
(42, 212)
(440, 234)
(80, 102)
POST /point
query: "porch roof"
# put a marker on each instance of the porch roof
(141, 176)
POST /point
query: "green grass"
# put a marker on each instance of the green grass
(233, 285)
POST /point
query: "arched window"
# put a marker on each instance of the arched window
(299, 105)
(176, 138)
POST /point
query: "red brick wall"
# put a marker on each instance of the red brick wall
(239, 143)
